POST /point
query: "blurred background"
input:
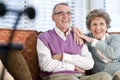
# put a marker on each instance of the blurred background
(43, 8)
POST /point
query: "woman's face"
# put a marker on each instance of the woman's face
(98, 27)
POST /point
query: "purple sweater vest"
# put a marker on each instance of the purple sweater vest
(57, 45)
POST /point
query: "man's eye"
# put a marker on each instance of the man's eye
(61, 13)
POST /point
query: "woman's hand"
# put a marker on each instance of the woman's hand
(78, 40)
(78, 36)
(86, 38)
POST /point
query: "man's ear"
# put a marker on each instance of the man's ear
(52, 17)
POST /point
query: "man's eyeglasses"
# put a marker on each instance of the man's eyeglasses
(62, 13)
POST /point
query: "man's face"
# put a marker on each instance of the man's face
(62, 17)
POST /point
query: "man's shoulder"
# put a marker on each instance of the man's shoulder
(46, 33)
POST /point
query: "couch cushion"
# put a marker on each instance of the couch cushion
(17, 66)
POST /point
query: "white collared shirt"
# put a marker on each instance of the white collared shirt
(61, 34)
(47, 63)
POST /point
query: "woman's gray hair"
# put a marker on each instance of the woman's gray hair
(98, 13)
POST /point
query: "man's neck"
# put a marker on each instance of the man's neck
(59, 31)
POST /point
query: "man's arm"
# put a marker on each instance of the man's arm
(47, 63)
(83, 60)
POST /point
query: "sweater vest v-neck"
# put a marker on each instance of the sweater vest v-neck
(57, 45)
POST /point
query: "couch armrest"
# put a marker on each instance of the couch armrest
(16, 66)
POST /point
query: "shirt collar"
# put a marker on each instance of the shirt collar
(61, 34)
(58, 31)
(105, 37)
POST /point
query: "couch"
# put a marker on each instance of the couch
(22, 64)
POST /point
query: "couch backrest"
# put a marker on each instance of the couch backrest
(28, 38)
(114, 33)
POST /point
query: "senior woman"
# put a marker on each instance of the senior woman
(103, 46)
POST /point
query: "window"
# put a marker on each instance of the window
(114, 12)
(43, 19)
